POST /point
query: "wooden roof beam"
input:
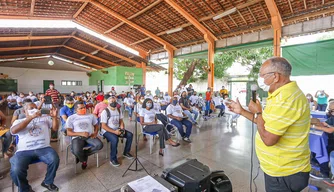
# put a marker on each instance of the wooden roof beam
(28, 48)
(33, 17)
(31, 38)
(32, 7)
(83, 6)
(132, 24)
(79, 61)
(191, 19)
(24, 55)
(92, 56)
(276, 19)
(135, 15)
(201, 20)
(107, 51)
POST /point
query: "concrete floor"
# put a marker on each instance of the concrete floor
(215, 144)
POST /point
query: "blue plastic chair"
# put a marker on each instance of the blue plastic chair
(151, 136)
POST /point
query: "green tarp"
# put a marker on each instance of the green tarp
(311, 59)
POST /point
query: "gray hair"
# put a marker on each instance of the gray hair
(280, 65)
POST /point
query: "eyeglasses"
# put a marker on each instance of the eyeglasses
(263, 75)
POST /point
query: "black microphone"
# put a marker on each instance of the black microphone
(254, 88)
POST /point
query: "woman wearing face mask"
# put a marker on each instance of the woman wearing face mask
(89, 101)
(313, 103)
(66, 111)
(129, 104)
(149, 122)
(137, 109)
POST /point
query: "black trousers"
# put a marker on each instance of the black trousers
(162, 132)
(292, 183)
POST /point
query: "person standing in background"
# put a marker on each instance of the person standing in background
(322, 100)
(223, 91)
(54, 95)
(142, 90)
(157, 92)
(312, 102)
(207, 102)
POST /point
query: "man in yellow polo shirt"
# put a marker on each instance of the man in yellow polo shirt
(281, 142)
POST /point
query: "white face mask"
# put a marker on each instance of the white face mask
(32, 112)
(88, 94)
(155, 100)
(51, 87)
(262, 85)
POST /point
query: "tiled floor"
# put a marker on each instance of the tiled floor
(215, 144)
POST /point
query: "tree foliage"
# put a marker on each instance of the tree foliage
(251, 58)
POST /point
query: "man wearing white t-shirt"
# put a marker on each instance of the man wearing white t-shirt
(193, 99)
(178, 118)
(20, 99)
(41, 103)
(218, 102)
(32, 96)
(112, 124)
(34, 145)
(11, 100)
(83, 128)
(129, 105)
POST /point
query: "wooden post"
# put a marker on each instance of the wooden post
(277, 23)
(211, 57)
(170, 52)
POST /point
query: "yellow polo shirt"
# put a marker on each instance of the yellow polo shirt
(287, 114)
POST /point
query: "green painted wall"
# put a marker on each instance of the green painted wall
(118, 76)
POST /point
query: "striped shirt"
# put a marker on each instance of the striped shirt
(53, 93)
(287, 114)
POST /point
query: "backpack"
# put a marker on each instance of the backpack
(109, 115)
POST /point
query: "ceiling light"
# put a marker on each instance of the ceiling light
(51, 62)
(228, 12)
(174, 30)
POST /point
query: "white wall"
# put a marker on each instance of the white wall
(32, 79)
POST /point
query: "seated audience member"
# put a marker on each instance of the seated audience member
(322, 98)
(200, 104)
(149, 122)
(41, 103)
(83, 128)
(32, 97)
(218, 102)
(327, 127)
(6, 137)
(34, 144)
(193, 99)
(190, 90)
(187, 109)
(113, 92)
(20, 99)
(129, 105)
(66, 111)
(100, 107)
(11, 100)
(148, 95)
(89, 101)
(226, 102)
(157, 109)
(100, 97)
(137, 110)
(223, 91)
(20, 113)
(112, 124)
(312, 102)
(165, 101)
(177, 117)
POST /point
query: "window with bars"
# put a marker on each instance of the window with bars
(71, 83)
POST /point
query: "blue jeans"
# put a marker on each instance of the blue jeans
(179, 125)
(222, 109)
(130, 110)
(207, 107)
(113, 139)
(13, 106)
(331, 160)
(7, 140)
(188, 113)
(322, 107)
(20, 163)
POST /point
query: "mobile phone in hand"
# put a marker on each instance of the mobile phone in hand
(45, 111)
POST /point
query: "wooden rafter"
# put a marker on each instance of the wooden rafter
(135, 15)
(32, 7)
(107, 51)
(24, 55)
(264, 12)
(244, 5)
(242, 17)
(33, 17)
(80, 61)
(31, 38)
(92, 56)
(250, 11)
(233, 21)
(27, 48)
(305, 5)
(211, 9)
(132, 24)
(290, 6)
(80, 10)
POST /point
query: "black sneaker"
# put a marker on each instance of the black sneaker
(128, 156)
(50, 187)
(114, 163)
(83, 165)
(317, 175)
(186, 139)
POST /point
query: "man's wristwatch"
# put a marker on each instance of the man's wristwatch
(257, 114)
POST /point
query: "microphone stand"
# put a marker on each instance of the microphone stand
(136, 154)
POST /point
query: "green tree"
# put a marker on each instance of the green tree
(191, 70)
